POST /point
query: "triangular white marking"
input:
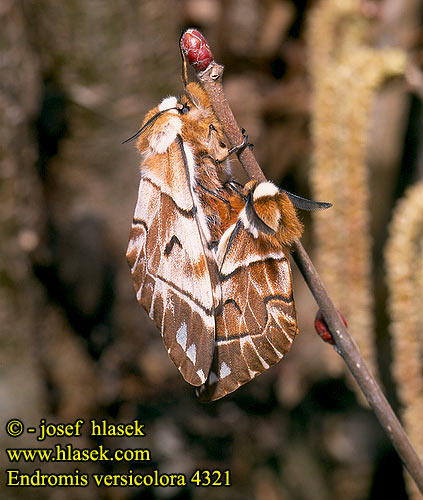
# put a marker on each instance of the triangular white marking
(200, 373)
(181, 336)
(224, 370)
(192, 353)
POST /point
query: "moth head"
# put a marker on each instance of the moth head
(190, 116)
(200, 125)
(197, 96)
(194, 107)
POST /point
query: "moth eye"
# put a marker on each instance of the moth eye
(184, 110)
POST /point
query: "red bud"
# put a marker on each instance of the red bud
(196, 49)
(322, 328)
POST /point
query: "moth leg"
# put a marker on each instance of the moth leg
(235, 149)
(213, 193)
(235, 186)
(249, 145)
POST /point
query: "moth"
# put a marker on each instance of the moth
(208, 256)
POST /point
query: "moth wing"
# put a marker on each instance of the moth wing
(256, 323)
(169, 266)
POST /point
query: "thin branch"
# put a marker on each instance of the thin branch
(211, 81)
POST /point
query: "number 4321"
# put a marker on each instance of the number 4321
(211, 478)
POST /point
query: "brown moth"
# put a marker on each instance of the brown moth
(208, 257)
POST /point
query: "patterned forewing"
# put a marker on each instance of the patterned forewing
(170, 274)
(256, 324)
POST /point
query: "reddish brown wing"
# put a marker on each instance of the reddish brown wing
(256, 323)
(169, 266)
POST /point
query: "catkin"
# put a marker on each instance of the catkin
(404, 277)
(346, 74)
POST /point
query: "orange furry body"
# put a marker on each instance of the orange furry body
(221, 204)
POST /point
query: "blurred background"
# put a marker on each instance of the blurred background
(318, 85)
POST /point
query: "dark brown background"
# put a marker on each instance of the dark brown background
(76, 80)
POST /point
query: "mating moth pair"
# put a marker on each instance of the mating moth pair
(209, 257)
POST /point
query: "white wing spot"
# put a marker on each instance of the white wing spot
(224, 370)
(181, 336)
(200, 373)
(192, 353)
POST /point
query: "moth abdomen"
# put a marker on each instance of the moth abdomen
(269, 212)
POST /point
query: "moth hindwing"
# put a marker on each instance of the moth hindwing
(209, 260)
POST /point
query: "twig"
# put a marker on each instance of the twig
(211, 80)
